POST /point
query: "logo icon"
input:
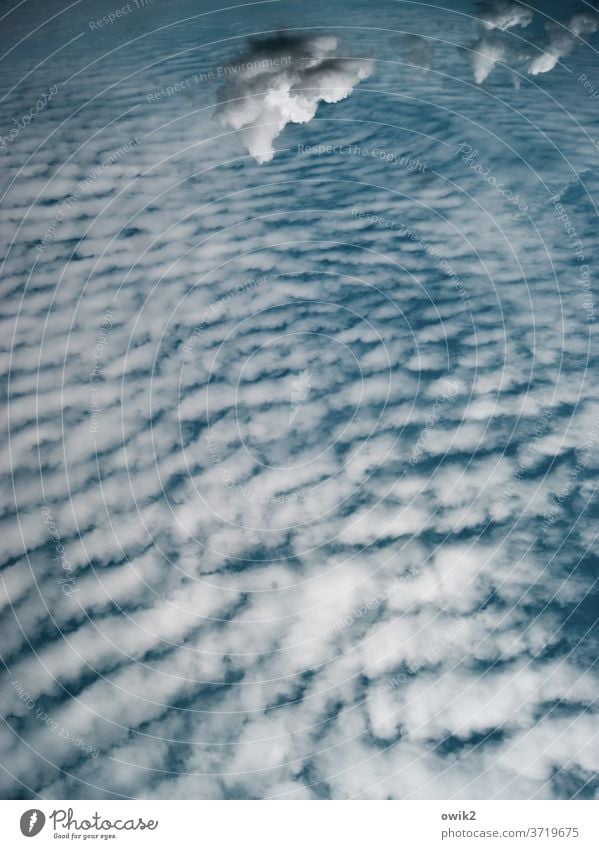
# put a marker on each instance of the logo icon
(32, 822)
(300, 389)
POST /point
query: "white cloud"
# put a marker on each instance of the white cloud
(503, 15)
(562, 41)
(282, 80)
(485, 54)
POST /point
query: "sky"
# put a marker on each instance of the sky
(302, 436)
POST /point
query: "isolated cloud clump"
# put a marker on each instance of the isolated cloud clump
(504, 15)
(492, 48)
(486, 54)
(562, 40)
(281, 80)
(499, 16)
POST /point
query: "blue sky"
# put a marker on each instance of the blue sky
(301, 426)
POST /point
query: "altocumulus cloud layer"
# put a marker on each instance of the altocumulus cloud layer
(302, 454)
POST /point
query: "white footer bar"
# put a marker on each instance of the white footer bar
(301, 824)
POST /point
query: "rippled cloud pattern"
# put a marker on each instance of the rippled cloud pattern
(301, 420)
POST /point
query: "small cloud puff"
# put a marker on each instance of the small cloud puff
(486, 53)
(281, 80)
(504, 15)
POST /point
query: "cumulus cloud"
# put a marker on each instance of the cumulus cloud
(281, 80)
(494, 47)
(490, 48)
(486, 53)
(562, 41)
(503, 15)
